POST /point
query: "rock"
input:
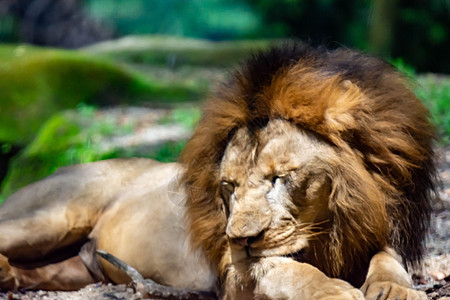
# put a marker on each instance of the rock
(35, 83)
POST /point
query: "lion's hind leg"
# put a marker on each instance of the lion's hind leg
(7, 279)
(69, 274)
(387, 279)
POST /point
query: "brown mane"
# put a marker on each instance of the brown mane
(359, 104)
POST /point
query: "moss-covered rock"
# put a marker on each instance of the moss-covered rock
(175, 51)
(35, 83)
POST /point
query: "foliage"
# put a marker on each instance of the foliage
(422, 35)
(400, 64)
(78, 136)
(187, 116)
(435, 93)
(61, 141)
(212, 19)
(419, 28)
(35, 83)
(377, 26)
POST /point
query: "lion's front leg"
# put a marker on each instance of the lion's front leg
(387, 279)
(288, 279)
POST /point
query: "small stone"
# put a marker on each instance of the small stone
(437, 275)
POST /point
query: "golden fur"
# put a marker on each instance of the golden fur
(381, 185)
(131, 208)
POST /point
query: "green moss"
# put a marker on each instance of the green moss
(35, 83)
(175, 51)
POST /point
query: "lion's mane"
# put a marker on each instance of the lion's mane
(361, 106)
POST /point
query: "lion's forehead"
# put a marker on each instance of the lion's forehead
(276, 149)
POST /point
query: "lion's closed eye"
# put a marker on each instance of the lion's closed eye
(226, 190)
(278, 179)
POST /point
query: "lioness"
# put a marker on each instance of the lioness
(309, 176)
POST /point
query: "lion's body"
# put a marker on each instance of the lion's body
(312, 161)
(129, 208)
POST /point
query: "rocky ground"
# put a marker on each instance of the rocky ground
(434, 279)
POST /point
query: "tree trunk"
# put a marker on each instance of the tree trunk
(381, 27)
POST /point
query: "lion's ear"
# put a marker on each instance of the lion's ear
(346, 84)
(343, 103)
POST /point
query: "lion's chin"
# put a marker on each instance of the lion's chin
(299, 256)
(296, 251)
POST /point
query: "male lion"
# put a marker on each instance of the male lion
(310, 175)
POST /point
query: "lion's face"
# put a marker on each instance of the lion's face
(275, 184)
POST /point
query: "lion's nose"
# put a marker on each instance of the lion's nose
(241, 241)
(246, 241)
(248, 221)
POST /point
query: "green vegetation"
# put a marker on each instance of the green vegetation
(187, 116)
(35, 83)
(435, 93)
(213, 19)
(377, 26)
(80, 136)
(66, 138)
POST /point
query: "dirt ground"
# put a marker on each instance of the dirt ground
(434, 278)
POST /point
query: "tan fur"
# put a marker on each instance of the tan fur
(289, 279)
(131, 208)
(387, 279)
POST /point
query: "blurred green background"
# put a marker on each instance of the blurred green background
(83, 80)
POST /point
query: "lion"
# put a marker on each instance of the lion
(309, 176)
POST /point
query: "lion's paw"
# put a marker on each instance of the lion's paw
(350, 294)
(7, 279)
(382, 290)
(288, 279)
(328, 292)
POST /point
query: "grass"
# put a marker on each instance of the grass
(188, 116)
(434, 91)
(66, 138)
(79, 136)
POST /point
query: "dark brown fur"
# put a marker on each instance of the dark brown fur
(357, 103)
